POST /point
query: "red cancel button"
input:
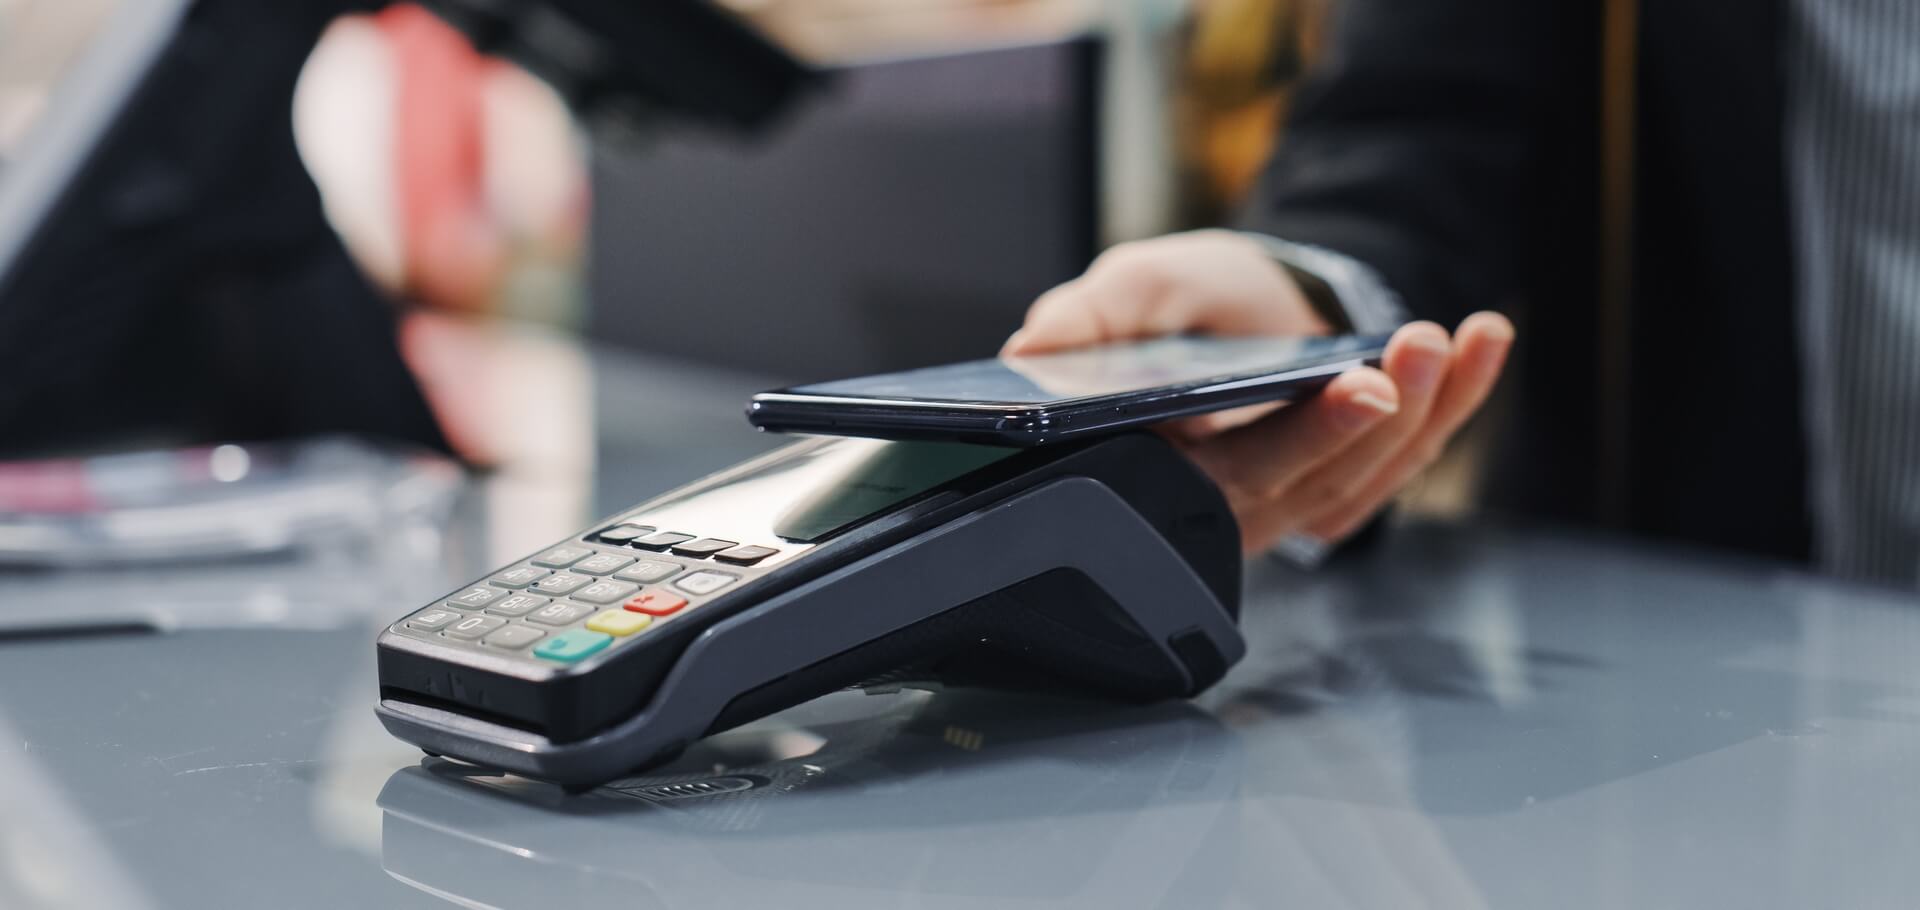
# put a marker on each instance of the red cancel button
(656, 603)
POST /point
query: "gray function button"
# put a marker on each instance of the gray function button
(744, 555)
(648, 571)
(605, 592)
(475, 597)
(662, 540)
(620, 535)
(432, 619)
(562, 557)
(559, 613)
(514, 637)
(474, 626)
(519, 576)
(705, 582)
(518, 605)
(562, 583)
(602, 563)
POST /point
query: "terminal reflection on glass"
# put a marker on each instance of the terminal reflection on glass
(809, 491)
(1107, 370)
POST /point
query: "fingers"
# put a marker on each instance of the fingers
(1485, 340)
(1061, 318)
(1416, 360)
(1326, 465)
(1095, 308)
(1479, 352)
(1211, 282)
(1255, 464)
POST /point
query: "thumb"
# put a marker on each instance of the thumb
(1069, 316)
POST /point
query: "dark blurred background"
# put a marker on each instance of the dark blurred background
(221, 221)
(957, 158)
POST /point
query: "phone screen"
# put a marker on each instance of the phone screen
(1177, 361)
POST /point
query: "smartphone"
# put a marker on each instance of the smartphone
(1032, 400)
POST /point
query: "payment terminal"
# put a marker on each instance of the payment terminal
(1109, 566)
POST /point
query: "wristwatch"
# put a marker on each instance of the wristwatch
(1343, 290)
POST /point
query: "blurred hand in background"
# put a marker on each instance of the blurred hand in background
(457, 179)
(1320, 468)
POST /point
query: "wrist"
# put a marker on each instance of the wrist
(1345, 292)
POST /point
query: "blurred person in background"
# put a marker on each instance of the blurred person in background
(452, 175)
(458, 181)
(1738, 366)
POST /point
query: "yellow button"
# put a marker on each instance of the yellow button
(619, 622)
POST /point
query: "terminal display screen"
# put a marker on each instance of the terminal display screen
(810, 492)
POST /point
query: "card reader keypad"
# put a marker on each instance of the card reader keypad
(605, 592)
(662, 540)
(601, 564)
(649, 571)
(704, 582)
(705, 546)
(561, 584)
(433, 619)
(559, 613)
(573, 601)
(519, 576)
(473, 627)
(517, 604)
(475, 597)
(561, 557)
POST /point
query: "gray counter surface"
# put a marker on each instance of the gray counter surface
(1468, 716)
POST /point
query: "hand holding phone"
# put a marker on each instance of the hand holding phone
(1296, 472)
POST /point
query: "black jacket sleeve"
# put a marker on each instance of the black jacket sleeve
(1419, 143)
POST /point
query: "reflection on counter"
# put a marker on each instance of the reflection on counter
(1468, 718)
(218, 536)
(199, 505)
(952, 796)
